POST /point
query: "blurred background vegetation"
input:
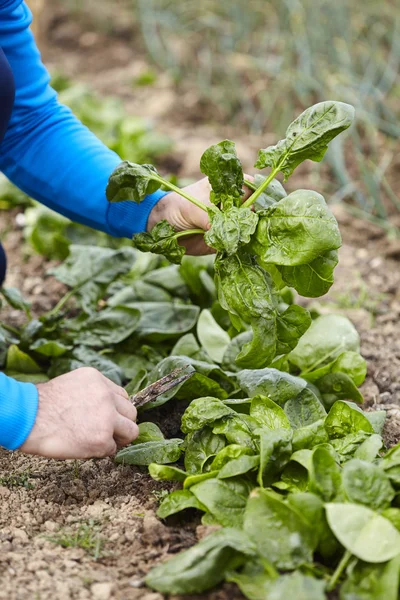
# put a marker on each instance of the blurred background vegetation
(254, 65)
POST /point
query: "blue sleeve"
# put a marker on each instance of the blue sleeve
(47, 152)
(18, 409)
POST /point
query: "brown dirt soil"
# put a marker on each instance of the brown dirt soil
(118, 503)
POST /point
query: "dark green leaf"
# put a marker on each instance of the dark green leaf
(275, 453)
(365, 483)
(277, 385)
(162, 452)
(314, 279)
(161, 240)
(343, 420)
(274, 192)
(148, 432)
(50, 348)
(15, 299)
(109, 326)
(200, 446)
(87, 357)
(325, 475)
(307, 137)
(290, 326)
(224, 171)
(212, 337)
(304, 410)
(268, 414)
(176, 502)
(239, 466)
(130, 181)
(224, 499)
(203, 411)
(230, 229)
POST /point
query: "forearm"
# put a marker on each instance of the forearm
(48, 153)
(18, 408)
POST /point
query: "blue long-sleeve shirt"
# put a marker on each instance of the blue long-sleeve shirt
(52, 157)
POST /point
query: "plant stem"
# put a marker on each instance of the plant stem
(260, 189)
(250, 185)
(174, 188)
(339, 570)
(10, 328)
(62, 301)
(188, 232)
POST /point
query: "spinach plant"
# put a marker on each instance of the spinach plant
(263, 244)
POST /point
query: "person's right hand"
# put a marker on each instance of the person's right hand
(81, 415)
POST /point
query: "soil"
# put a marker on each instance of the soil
(40, 498)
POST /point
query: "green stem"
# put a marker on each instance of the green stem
(10, 329)
(188, 232)
(62, 301)
(250, 185)
(181, 192)
(260, 189)
(339, 570)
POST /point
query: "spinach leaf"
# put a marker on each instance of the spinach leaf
(363, 532)
(280, 533)
(203, 411)
(268, 414)
(391, 464)
(148, 432)
(307, 137)
(15, 299)
(372, 582)
(164, 320)
(212, 337)
(290, 326)
(224, 171)
(238, 429)
(277, 385)
(130, 181)
(239, 466)
(325, 475)
(230, 229)
(314, 279)
(177, 501)
(204, 565)
(297, 586)
(323, 342)
(342, 420)
(225, 499)
(84, 356)
(193, 479)
(20, 362)
(49, 348)
(275, 453)
(161, 451)
(166, 473)
(274, 192)
(254, 580)
(296, 230)
(338, 386)
(310, 435)
(200, 446)
(365, 483)
(109, 326)
(369, 449)
(230, 452)
(304, 410)
(162, 239)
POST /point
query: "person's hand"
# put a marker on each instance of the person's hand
(81, 415)
(182, 214)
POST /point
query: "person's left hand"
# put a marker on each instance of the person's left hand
(182, 214)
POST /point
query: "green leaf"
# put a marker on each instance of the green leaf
(164, 320)
(161, 451)
(254, 580)
(307, 137)
(363, 532)
(20, 362)
(203, 411)
(148, 432)
(176, 502)
(327, 338)
(268, 414)
(230, 229)
(239, 466)
(109, 326)
(204, 565)
(297, 586)
(194, 479)
(161, 240)
(275, 453)
(343, 420)
(325, 475)
(290, 326)
(212, 337)
(339, 386)
(87, 357)
(310, 435)
(238, 429)
(296, 230)
(245, 291)
(277, 385)
(314, 279)
(200, 446)
(365, 483)
(347, 446)
(130, 181)
(280, 533)
(224, 171)
(15, 299)
(372, 582)
(351, 364)
(224, 499)
(49, 348)
(369, 449)
(230, 452)
(304, 410)
(166, 473)
(139, 291)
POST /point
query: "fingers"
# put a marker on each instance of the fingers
(125, 430)
(125, 407)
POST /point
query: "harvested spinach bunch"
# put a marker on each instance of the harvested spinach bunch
(270, 241)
